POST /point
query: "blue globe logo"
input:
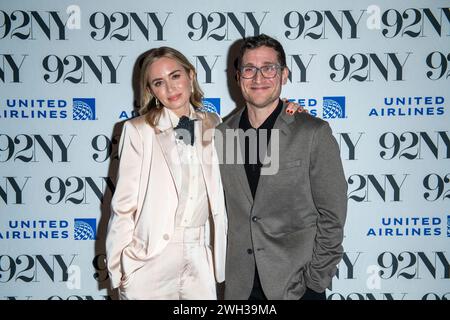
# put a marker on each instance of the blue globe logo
(332, 109)
(82, 111)
(208, 107)
(83, 231)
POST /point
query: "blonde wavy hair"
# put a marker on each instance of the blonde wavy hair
(147, 101)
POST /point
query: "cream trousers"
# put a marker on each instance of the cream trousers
(182, 271)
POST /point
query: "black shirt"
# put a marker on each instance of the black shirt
(253, 170)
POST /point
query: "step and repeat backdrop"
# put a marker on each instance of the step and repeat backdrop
(378, 72)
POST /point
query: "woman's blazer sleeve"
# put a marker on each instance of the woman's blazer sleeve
(125, 200)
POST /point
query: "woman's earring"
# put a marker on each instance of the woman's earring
(158, 105)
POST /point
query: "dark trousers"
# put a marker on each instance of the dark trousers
(257, 291)
(313, 295)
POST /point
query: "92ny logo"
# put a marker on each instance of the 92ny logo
(33, 268)
(410, 22)
(76, 69)
(74, 190)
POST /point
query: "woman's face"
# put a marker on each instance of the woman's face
(171, 84)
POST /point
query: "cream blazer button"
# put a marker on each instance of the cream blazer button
(166, 236)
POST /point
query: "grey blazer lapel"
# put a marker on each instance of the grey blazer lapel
(282, 124)
(239, 170)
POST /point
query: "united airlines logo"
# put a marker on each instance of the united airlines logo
(84, 109)
(211, 105)
(35, 229)
(416, 106)
(85, 229)
(409, 226)
(448, 226)
(37, 108)
(333, 107)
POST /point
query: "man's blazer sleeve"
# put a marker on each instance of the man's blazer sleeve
(125, 200)
(329, 191)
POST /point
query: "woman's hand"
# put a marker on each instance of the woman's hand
(293, 107)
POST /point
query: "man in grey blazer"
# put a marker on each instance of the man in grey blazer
(286, 208)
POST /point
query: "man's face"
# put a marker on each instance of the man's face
(261, 92)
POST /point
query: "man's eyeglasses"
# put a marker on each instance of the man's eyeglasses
(269, 71)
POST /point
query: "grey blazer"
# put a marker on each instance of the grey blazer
(293, 229)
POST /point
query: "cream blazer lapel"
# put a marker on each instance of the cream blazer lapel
(203, 143)
(204, 131)
(166, 140)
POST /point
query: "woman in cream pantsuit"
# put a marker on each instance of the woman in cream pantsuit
(166, 236)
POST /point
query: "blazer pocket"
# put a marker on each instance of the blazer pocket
(137, 248)
(140, 244)
(125, 281)
(290, 164)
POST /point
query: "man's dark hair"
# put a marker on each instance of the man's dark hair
(260, 41)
